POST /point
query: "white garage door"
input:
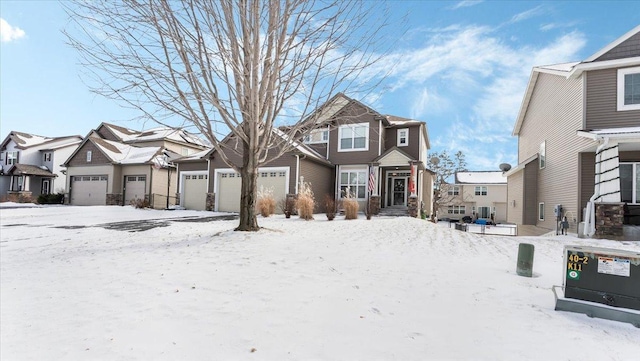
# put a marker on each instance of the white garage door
(89, 190)
(194, 191)
(230, 183)
(134, 188)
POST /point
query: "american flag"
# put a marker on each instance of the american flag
(372, 181)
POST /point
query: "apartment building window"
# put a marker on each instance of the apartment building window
(453, 191)
(353, 137)
(541, 211)
(481, 191)
(354, 181)
(12, 158)
(629, 89)
(542, 156)
(630, 182)
(484, 212)
(403, 137)
(456, 209)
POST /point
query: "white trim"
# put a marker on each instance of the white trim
(607, 64)
(539, 214)
(181, 182)
(620, 88)
(219, 171)
(353, 168)
(89, 153)
(352, 126)
(406, 137)
(542, 159)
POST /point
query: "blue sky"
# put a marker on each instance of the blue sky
(462, 67)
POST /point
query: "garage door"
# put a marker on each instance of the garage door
(89, 190)
(230, 183)
(194, 191)
(134, 188)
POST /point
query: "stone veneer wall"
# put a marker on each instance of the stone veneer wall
(211, 201)
(374, 204)
(114, 199)
(609, 220)
(412, 205)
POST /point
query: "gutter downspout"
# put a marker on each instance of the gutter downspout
(297, 171)
(590, 221)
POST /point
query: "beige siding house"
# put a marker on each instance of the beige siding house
(580, 121)
(475, 195)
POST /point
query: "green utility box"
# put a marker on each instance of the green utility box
(602, 275)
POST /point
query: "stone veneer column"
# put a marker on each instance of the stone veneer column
(374, 204)
(412, 204)
(211, 201)
(114, 199)
(609, 220)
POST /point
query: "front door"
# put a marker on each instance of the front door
(46, 186)
(399, 191)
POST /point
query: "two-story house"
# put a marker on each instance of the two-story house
(578, 135)
(117, 166)
(379, 159)
(30, 164)
(476, 195)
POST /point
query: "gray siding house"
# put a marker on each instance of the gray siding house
(578, 135)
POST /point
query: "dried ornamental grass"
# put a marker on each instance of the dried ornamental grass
(266, 204)
(305, 202)
(350, 205)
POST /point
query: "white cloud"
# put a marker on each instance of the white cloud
(466, 4)
(538, 10)
(9, 33)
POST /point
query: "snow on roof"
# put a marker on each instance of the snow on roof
(565, 67)
(395, 120)
(126, 154)
(480, 178)
(159, 133)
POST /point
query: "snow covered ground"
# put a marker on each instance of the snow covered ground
(73, 287)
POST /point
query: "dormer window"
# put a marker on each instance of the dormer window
(88, 156)
(629, 89)
(403, 137)
(317, 136)
(11, 158)
(353, 137)
(47, 157)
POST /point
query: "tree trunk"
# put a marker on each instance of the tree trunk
(248, 192)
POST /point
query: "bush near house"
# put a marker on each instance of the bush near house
(266, 204)
(305, 202)
(350, 205)
(54, 198)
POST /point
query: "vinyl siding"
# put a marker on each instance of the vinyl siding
(355, 114)
(587, 181)
(321, 179)
(80, 158)
(554, 115)
(192, 166)
(627, 49)
(413, 149)
(514, 193)
(601, 97)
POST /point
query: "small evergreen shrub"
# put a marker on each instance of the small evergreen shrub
(305, 202)
(266, 204)
(57, 198)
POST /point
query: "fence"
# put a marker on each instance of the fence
(159, 201)
(498, 229)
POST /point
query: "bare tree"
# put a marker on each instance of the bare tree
(445, 168)
(229, 68)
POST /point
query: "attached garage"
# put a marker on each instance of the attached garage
(229, 184)
(194, 190)
(90, 190)
(134, 188)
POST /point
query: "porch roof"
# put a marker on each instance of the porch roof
(628, 134)
(28, 169)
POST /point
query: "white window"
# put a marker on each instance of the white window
(317, 136)
(88, 156)
(481, 191)
(456, 209)
(47, 157)
(403, 137)
(484, 212)
(353, 137)
(453, 191)
(184, 151)
(630, 182)
(629, 89)
(541, 211)
(12, 158)
(355, 182)
(543, 155)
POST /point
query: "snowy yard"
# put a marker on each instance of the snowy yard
(74, 288)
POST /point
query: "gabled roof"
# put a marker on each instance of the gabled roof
(398, 122)
(28, 169)
(120, 153)
(482, 177)
(126, 135)
(574, 70)
(26, 140)
(334, 106)
(391, 150)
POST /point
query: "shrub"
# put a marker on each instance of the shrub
(140, 203)
(20, 198)
(350, 204)
(57, 198)
(266, 204)
(330, 206)
(305, 203)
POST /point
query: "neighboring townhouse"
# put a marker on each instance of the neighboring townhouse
(30, 165)
(120, 166)
(379, 158)
(578, 135)
(476, 195)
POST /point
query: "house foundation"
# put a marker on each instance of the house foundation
(374, 204)
(609, 220)
(412, 205)
(210, 202)
(114, 199)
